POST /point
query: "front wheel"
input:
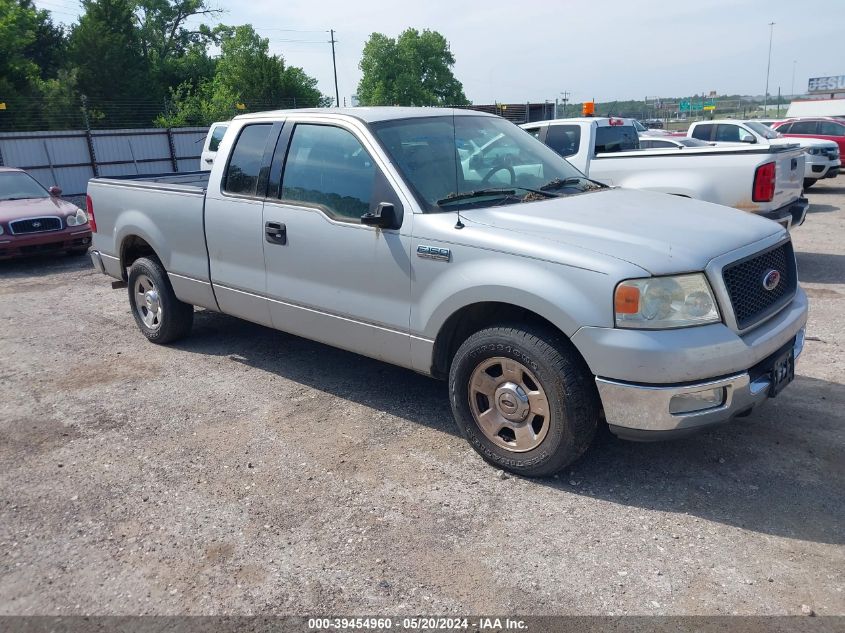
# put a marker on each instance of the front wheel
(159, 314)
(524, 399)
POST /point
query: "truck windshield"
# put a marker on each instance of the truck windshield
(16, 185)
(762, 130)
(444, 158)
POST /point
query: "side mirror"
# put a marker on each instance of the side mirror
(747, 138)
(384, 217)
(55, 191)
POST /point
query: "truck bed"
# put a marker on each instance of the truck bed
(185, 181)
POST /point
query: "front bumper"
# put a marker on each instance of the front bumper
(36, 243)
(642, 412)
(791, 215)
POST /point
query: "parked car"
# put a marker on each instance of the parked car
(212, 142)
(823, 158)
(542, 297)
(642, 130)
(829, 129)
(671, 142)
(36, 220)
(608, 150)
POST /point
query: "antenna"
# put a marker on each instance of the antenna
(458, 224)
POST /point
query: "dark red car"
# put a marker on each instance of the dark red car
(828, 128)
(35, 220)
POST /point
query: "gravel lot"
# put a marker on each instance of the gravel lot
(248, 471)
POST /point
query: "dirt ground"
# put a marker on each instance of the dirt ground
(247, 471)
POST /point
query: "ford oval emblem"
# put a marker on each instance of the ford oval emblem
(771, 280)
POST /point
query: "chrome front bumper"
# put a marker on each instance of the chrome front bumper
(642, 412)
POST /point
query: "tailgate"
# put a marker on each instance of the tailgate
(789, 178)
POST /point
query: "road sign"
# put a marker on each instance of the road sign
(709, 108)
(2, 105)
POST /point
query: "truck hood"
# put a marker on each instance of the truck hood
(11, 210)
(802, 142)
(657, 232)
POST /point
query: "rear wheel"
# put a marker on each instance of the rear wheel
(159, 314)
(524, 399)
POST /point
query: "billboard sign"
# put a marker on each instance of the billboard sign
(826, 84)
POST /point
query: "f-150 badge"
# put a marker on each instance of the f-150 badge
(434, 252)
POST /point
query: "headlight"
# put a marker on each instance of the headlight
(77, 220)
(665, 302)
(815, 151)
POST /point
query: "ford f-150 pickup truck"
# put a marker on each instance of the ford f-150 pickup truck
(763, 180)
(549, 302)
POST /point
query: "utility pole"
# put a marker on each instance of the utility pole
(334, 66)
(565, 100)
(792, 90)
(768, 67)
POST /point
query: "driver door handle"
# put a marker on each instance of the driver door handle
(276, 233)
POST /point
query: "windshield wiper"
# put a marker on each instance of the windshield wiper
(559, 183)
(480, 193)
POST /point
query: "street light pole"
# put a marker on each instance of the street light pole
(768, 67)
(792, 90)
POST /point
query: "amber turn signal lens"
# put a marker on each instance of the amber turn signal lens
(627, 300)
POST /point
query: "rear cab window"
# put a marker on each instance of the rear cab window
(242, 172)
(217, 134)
(616, 138)
(703, 132)
(564, 139)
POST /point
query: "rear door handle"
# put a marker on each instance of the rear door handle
(276, 232)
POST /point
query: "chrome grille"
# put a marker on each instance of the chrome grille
(35, 225)
(751, 301)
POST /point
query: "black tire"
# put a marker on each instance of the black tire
(809, 182)
(567, 383)
(176, 317)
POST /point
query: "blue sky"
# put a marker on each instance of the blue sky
(608, 49)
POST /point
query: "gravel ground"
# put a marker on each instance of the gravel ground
(247, 471)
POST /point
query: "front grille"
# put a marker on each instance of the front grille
(35, 225)
(744, 280)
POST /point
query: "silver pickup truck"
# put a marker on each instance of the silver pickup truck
(548, 301)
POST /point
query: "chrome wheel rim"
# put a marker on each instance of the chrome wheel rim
(509, 404)
(148, 302)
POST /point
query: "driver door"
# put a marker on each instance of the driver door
(329, 277)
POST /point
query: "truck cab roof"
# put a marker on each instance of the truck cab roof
(369, 114)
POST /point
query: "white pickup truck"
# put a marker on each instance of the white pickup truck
(765, 180)
(823, 160)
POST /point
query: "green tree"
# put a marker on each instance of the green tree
(173, 51)
(105, 49)
(31, 51)
(414, 69)
(245, 73)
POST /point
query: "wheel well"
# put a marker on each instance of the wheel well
(133, 248)
(469, 320)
